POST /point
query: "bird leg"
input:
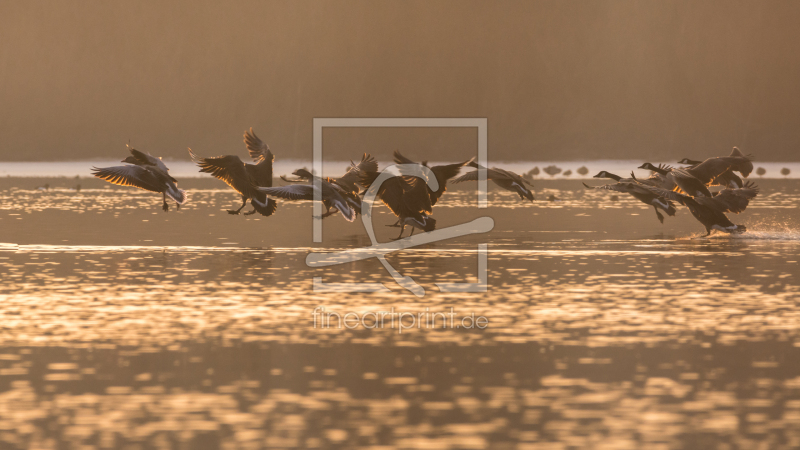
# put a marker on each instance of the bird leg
(412, 231)
(708, 233)
(396, 224)
(660, 217)
(165, 206)
(402, 228)
(177, 206)
(244, 203)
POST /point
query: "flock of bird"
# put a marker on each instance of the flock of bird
(689, 186)
(411, 199)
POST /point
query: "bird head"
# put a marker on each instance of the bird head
(303, 173)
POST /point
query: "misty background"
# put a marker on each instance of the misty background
(556, 79)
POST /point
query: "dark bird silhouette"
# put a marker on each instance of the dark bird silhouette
(408, 197)
(710, 211)
(244, 177)
(443, 174)
(144, 172)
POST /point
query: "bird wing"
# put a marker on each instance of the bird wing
(260, 173)
(400, 159)
(664, 193)
(443, 173)
(144, 158)
(135, 176)
(229, 169)
(709, 169)
(352, 178)
(291, 192)
(510, 175)
(749, 190)
(447, 171)
(735, 200)
(726, 178)
(259, 151)
(690, 184)
(491, 174)
(416, 195)
(391, 194)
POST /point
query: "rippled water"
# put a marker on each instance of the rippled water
(122, 325)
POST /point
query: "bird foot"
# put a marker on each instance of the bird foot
(394, 225)
(165, 207)
(233, 212)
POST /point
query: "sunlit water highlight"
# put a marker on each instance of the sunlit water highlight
(122, 325)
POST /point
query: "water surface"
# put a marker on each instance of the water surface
(122, 325)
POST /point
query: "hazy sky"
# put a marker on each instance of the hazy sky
(556, 79)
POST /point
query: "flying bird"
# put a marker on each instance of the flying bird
(147, 172)
(408, 197)
(244, 177)
(443, 174)
(710, 211)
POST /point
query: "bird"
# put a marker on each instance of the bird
(443, 174)
(710, 211)
(331, 194)
(685, 179)
(408, 197)
(348, 184)
(144, 171)
(242, 177)
(506, 179)
(632, 187)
